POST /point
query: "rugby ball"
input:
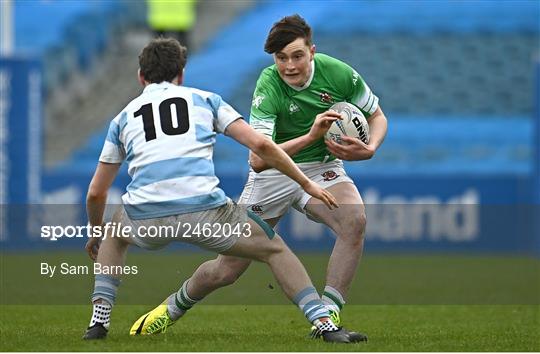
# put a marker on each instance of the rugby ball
(353, 124)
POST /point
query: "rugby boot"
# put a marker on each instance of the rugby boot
(97, 331)
(153, 322)
(354, 337)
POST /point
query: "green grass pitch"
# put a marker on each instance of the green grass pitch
(403, 302)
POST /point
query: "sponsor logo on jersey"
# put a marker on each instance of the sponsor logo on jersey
(326, 97)
(329, 175)
(257, 209)
(355, 78)
(257, 100)
(293, 107)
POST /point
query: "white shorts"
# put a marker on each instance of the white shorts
(270, 193)
(217, 239)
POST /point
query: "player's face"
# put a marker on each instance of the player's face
(294, 62)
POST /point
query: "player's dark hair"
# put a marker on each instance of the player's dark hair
(285, 31)
(162, 60)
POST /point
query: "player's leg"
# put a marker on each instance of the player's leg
(219, 272)
(262, 245)
(261, 196)
(266, 246)
(215, 274)
(349, 223)
(209, 276)
(112, 252)
(266, 194)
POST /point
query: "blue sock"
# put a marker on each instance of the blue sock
(105, 287)
(310, 304)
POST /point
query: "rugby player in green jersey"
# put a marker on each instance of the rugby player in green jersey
(291, 106)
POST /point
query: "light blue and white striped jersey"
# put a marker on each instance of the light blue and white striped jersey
(167, 136)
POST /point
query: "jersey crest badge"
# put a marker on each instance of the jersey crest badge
(326, 97)
(329, 175)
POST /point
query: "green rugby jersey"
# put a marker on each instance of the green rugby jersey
(283, 112)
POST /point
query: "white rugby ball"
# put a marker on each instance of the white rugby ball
(353, 124)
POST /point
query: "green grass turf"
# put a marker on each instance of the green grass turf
(381, 280)
(279, 328)
(403, 302)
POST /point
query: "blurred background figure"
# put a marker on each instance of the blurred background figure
(172, 18)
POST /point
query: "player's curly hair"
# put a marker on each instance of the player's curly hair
(162, 60)
(285, 31)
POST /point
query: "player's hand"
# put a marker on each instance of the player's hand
(92, 247)
(353, 149)
(322, 123)
(322, 194)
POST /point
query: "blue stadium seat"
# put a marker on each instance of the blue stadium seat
(453, 77)
(75, 32)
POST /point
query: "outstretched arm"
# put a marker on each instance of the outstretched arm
(292, 147)
(275, 157)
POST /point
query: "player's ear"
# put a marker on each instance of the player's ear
(181, 78)
(140, 76)
(312, 51)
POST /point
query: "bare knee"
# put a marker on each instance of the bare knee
(354, 230)
(273, 248)
(227, 273)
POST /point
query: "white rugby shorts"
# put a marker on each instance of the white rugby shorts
(270, 193)
(229, 213)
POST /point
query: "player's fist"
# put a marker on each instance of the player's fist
(92, 247)
(322, 123)
(353, 149)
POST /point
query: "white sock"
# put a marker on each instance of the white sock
(332, 299)
(332, 307)
(174, 311)
(101, 314)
